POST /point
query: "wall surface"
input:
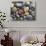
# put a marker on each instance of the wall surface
(25, 27)
(40, 17)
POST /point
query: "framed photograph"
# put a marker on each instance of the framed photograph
(23, 11)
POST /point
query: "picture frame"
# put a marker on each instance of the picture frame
(23, 11)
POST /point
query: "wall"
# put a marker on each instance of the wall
(25, 27)
(40, 17)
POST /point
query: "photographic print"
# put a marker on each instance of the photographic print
(23, 11)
